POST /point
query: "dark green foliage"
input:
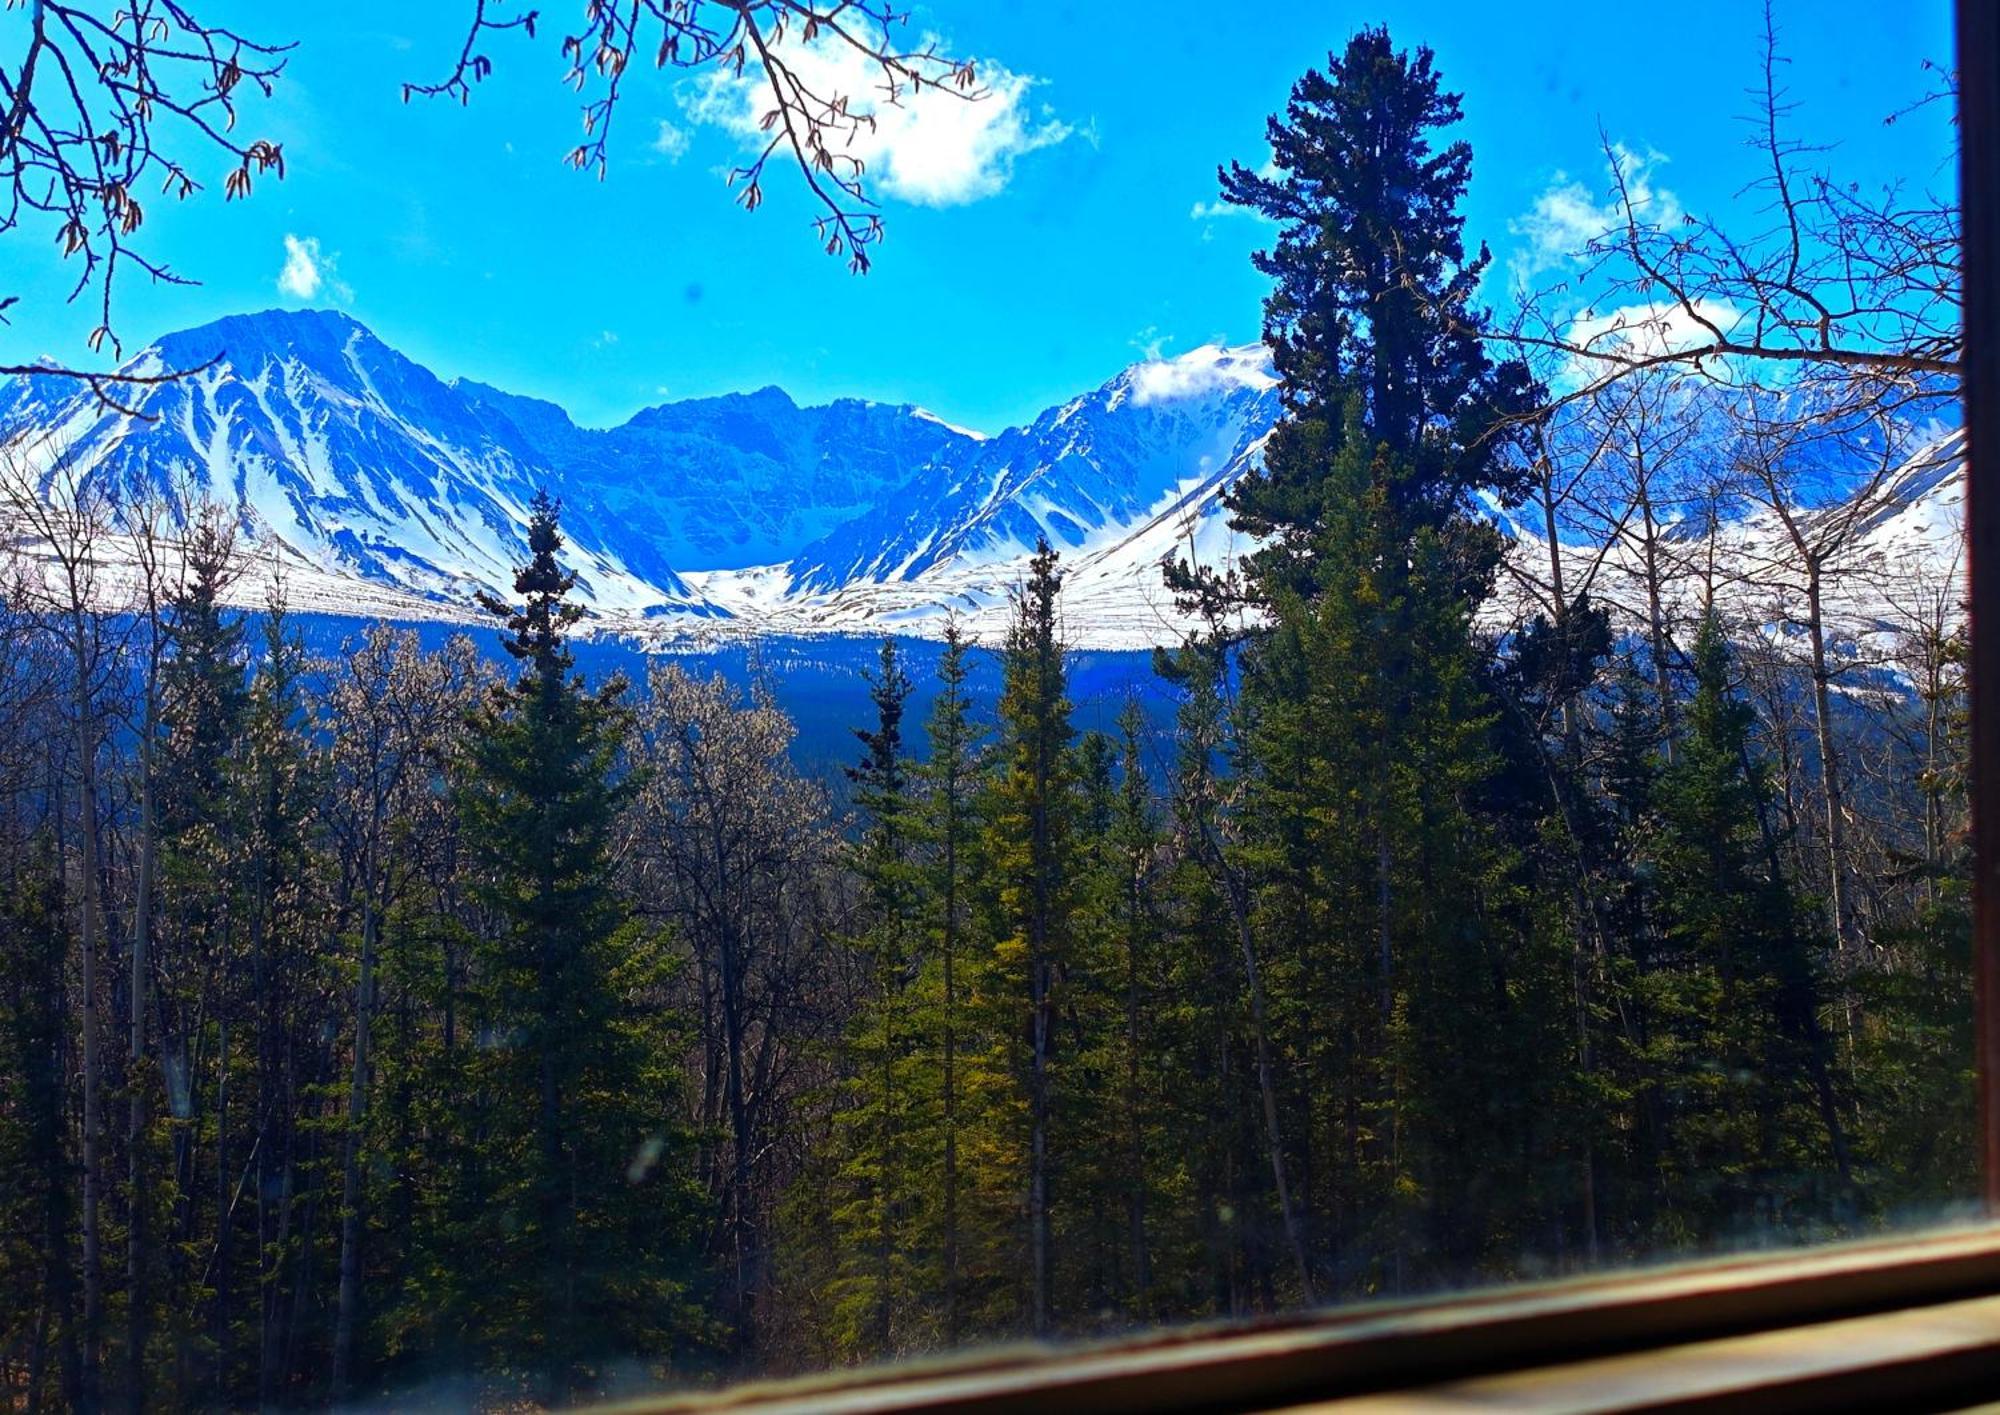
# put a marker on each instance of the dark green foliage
(37, 1201)
(1382, 890)
(579, 1196)
(1747, 1067)
(876, 1299)
(1369, 320)
(1030, 850)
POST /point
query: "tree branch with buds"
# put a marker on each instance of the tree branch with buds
(816, 129)
(106, 102)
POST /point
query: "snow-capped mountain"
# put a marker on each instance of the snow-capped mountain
(352, 465)
(337, 454)
(1082, 475)
(381, 489)
(744, 479)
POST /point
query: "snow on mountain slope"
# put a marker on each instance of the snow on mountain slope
(1083, 475)
(336, 453)
(344, 459)
(383, 490)
(1892, 556)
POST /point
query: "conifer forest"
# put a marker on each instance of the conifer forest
(417, 1021)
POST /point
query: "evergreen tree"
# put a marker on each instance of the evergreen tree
(1214, 1262)
(1030, 846)
(1384, 894)
(1087, 1227)
(586, 1185)
(1370, 324)
(878, 1289)
(969, 1197)
(1141, 1146)
(207, 1042)
(1757, 1132)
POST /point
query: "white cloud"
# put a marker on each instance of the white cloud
(1567, 216)
(671, 142)
(1643, 331)
(1150, 343)
(1208, 369)
(308, 271)
(605, 339)
(930, 148)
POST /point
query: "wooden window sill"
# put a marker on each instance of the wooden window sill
(1914, 1321)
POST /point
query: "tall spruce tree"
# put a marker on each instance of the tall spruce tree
(587, 1223)
(969, 1198)
(877, 1288)
(1031, 845)
(200, 959)
(1370, 323)
(1383, 892)
(1088, 1228)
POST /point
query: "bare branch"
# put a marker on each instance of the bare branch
(816, 129)
(94, 113)
(1849, 294)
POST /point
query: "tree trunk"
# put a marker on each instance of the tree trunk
(1839, 901)
(1656, 623)
(87, 937)
(59, 1283)
(1135, 1179)
(744, 1236)
(885, 1236)
(137, 1260)
(350, 1169)
(219, 1309)
(951, 1317)
(1267, 1087)
(1038, 1115)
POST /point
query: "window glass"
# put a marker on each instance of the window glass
(1340, 674)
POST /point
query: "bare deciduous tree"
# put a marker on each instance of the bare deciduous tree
(398, 717)
(67, 521)
(729, 842)
(1852, 293)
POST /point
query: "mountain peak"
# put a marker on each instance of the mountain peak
(309, 333)
(1203, 370)
(393, 492)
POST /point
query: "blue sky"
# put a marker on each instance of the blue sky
(1033, 248)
